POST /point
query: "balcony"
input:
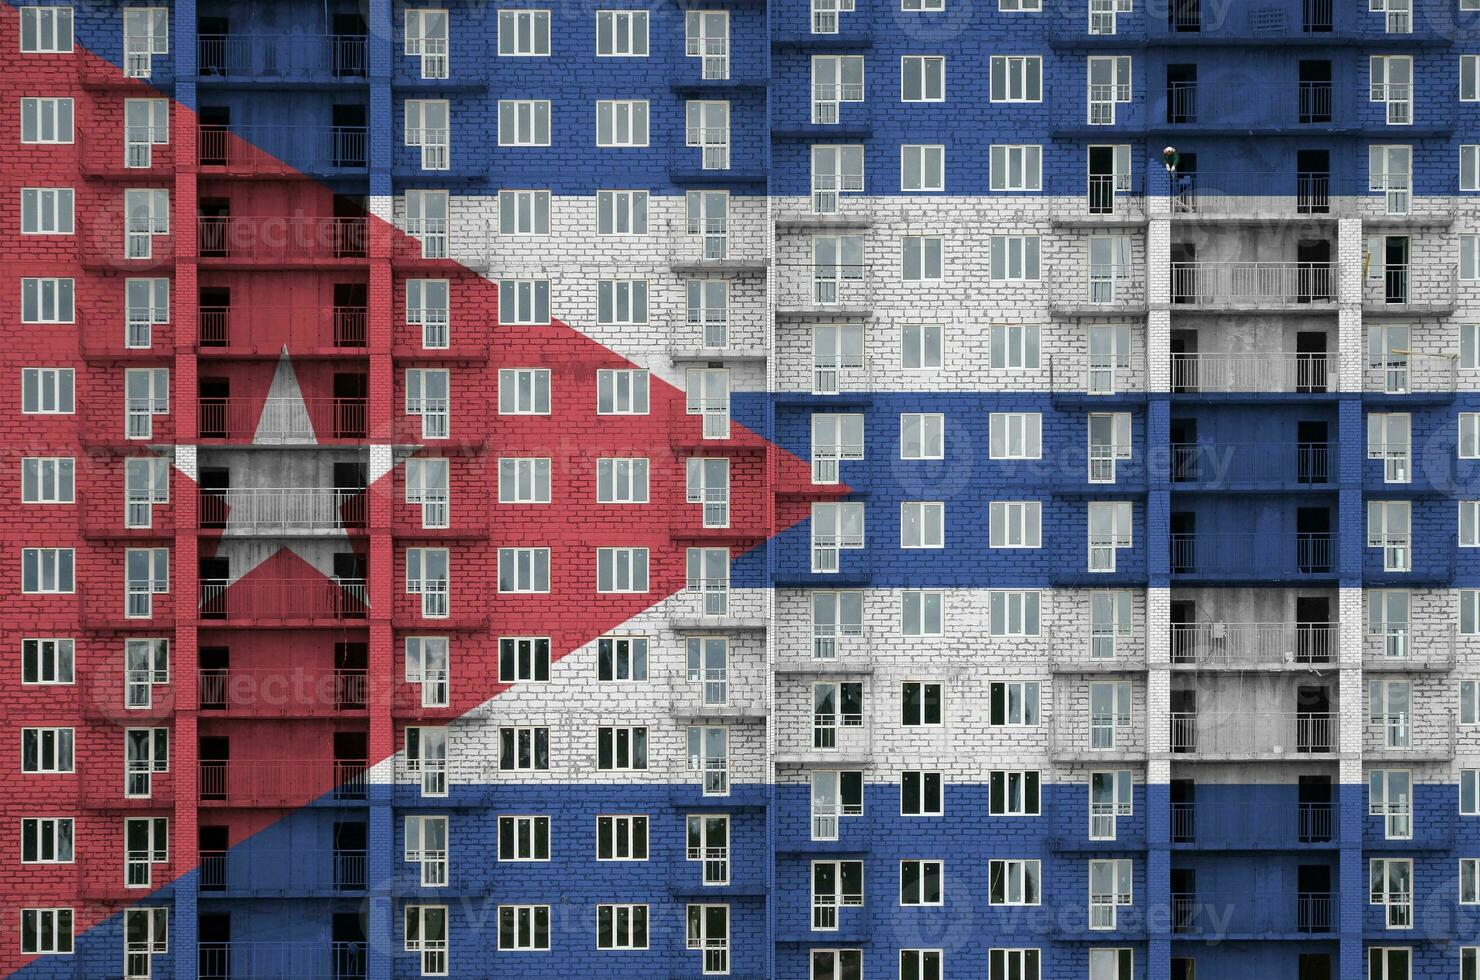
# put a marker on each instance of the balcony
(1078, 651)
(713, 696)
(1254, 286)
(1081, 736)
(716, 245)
(1252, 373)
(105, 243)
(1404, 649)
(1248, 106)
(243, 960)
(301, 58)
(1253, 466)
(1106, 202)
(282, 241)
(824, 650)
(1402, 373)
(1253, 735)
(1236, 826)
(1242, 645)
(275, 511)
(1257, 555)
(712, 605)
(106, 516)
(1413, 290)
(825, 290)
(1399, 736)
(126, 697)
(837, 741)
(248, 871)
(1214, 916)
(1098, 375)
(1111, 290)
(1316, 195)
(287, 692)
(284, 602)
(278, 784)
(282, 421)
(263, 331)
(286, 151)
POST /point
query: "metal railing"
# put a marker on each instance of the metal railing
(1275, 371)
(1409, 373)
(282, 149)
(1262, 554)
(1098, 374)
(278, 600)
(1106, 196)
(1253, 733)
(1278, 284)
(1231, 824)
(1404, 648)
(277, 510)
(1213, 914)
(282, 56)
(1221, 644)
(266, 960)
(1409, 287)
(1108, 649)
(1259, 193)
(1245, 104)
(269, 329)
(281, 691)
(282, 239)
(253, 783)
(1400, 735)
(282, 420)
(821, 287)
(1083, 734)
(1111, 288)
(247, 868)
(1226, 464)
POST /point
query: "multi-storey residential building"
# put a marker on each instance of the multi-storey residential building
(808, 490)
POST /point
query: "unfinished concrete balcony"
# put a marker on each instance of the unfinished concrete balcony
(276, 241)
(281, 959)
(1252, 373)
(258, 331)
(1256, 555)
(1254, 287)
(247, 871)
(277, 511)
(290, 691)
(1253, 915)
(282, 421)
(1243, 646)
(1273, 466)
(1108, 201)
(279, 783)
(284, 602)
(281, 58)
(282, 151)
(1276, 825)
(1253, 735)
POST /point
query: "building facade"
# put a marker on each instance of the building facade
(808, 490)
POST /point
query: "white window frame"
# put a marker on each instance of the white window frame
(915, 349)
(524, 480)
(1015, 612)
(1019, 876)
(524, 122)
(48, 480)
(931, 89)
(52, 659)
(527, 33)
(922, 612)
(622, 391)
(622, 213)
(627, 834)
(62, 753)
(425, 38)
(49, 120)
(524, 570)
(48, 211)
(1015, 435)
(524, 391)
(626, 122)
(922, 524)
(627, 31)
(1015, 524)
(46, 30)
(527, 830)
(928, 165)
(621, 570)
(1016, 167)
(622, 480)
(47, 841)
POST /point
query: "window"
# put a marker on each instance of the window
(1109, 442)
(1013, 612)
(427, 661)
(523, 33)
(621, 747)
(146, 393)
(709, 746)
(927, 964)
(834, 884)
(427, 126)
(47, 661)
(707, 483)
(524, 391)
(621, 927)
(524, 301)
(426, 845)
(524, 569)
(1111, 618)
(922, 347)
(922, 168)
(146, 124)
(834, 438)
(46, 300)
(1020, 6)
(427, 479)
(1015, 347)
(1469, 881)
(621, 392)
(146, 574)
(708, 214)
(1110, 797)
(1014, 792)
(621, 123)
(1015, 435)
(1013, 882)
(524, 212)
(1469, 167)
(921, 612)
(524, 122)
(622, 301)
(523, 658)
(146, 842)
(1469, 518)
(524, 838)
(707, 394)
(621, 659)
(47, 571)
(426, 758)
(146, 751)
(707, 126)
(1017, 78)
(708, 929)
(1469, 963)
(1111, 964)
(707, 37)
(146, 303)
(46, 30)
(1469, 78)
(622, 481)
(835, 79)
(46, 840)
(1469, 257)
(426, 934)
(835, 704)
(146, 665)
(46, 120)
(920, 882)
(921, 794)
(1469, 435)
(1016, 524)
(428, 575)
(1017, 167)
(707, 577)
(426, 38)
(835, 527)
(1392, 84)
(621, 33)
(146, 33)
(1109, 85)
(1014, 703)
(708, 841)
(146, 214)
(46, 750)
(621, 570)
(1109, 889)
(1109, 713)
(46, 211)
(1389, 962)
(1390, 712)
(46, 931)
(524, 749)
(1469, 792)
(1469, 702)
(922, 524)
(1014, 257)
(523, 481)
(1392, 887)
(622, 212)
(922, 258)
(1014, 964)
(622, 838)
(46, 391)
(1390, 171)
(922, 703)
(922, 78)
(836, 170)
(1388, 524)
(47, 480)
(1109, 531)
(427, 392)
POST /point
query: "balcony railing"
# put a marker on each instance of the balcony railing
(1409, 288)
(300, 421)
(268, 329)
(273, 57)
(1253, 734)
(1103, 289)
(1228, 824)
(1216, 915)
(289, 690)
(282, 239)
(1285, 372)
(825, 287)
(1083, 649)
(1107, 198)
(1253, 284)
(1261, 554)
(1402, 648)
(1402, 735)
(282, 149)
(1405, 374)
(245, 960)
(1088, 736)
(284, 600)
(1254, 644)
(247, 783)
(257, 870)
(1258, 193)
(1232, 465)
(283, 510)
(833, 737)
(1244, 104)
(1098, 374)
